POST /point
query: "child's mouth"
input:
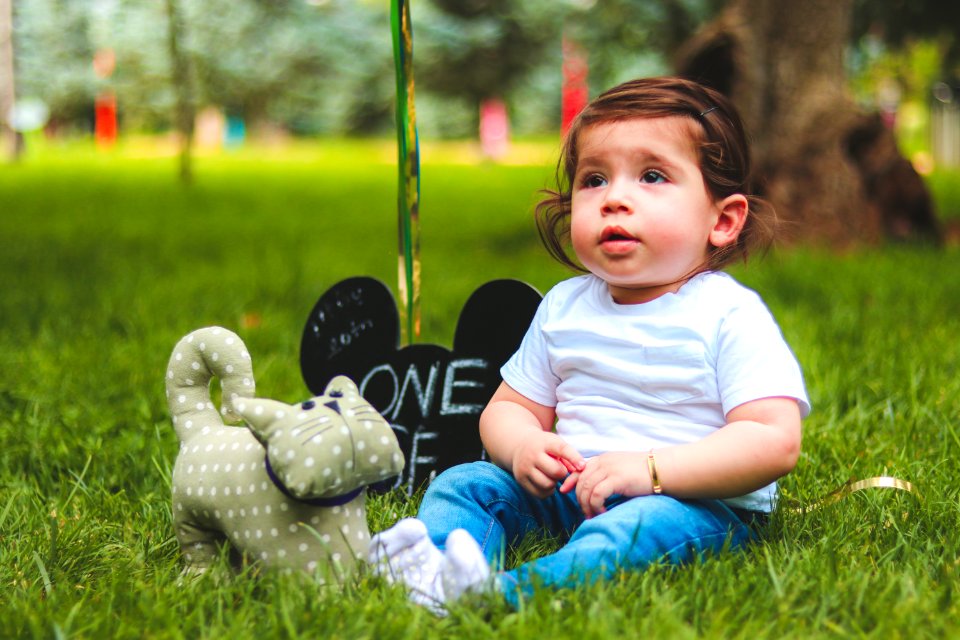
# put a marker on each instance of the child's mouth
(615, 233)
(617, 239)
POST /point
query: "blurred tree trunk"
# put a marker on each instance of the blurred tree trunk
(831, 171)
(8, 137)
(185, 110)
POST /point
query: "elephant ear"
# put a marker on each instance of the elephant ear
(354, 325)
(339, 387)
(262, 416)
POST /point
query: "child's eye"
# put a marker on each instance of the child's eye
(652, 177)
(592, 181)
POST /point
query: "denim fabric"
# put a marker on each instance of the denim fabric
(633, 532)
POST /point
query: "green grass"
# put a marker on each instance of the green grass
(107, 261)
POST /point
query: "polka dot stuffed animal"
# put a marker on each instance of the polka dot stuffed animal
(287, 490)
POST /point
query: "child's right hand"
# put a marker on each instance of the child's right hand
(542, 460)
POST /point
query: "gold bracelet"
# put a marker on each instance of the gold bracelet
(654, 478)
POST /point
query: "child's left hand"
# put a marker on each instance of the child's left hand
(617, 472)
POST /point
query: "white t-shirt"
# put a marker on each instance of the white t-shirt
(666, 372)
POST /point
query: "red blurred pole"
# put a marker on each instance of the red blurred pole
(105, 104)
(105, 119)
(575, 92)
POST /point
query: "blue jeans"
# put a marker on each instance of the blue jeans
(633, 533)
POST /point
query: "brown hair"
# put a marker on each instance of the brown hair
(724, 160)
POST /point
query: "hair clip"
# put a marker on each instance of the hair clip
(706, 111)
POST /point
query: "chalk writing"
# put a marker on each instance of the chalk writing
(451, 382)
(340, 341)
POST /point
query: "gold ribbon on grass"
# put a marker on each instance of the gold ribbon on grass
(853, 486)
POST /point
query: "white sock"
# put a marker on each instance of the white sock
(464, 567)
(405, 554)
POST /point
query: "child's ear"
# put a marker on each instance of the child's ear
(732, 215)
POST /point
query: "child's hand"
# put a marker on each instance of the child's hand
(542, 460)
(618, 472)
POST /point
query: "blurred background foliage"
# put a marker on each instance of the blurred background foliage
(309, 67)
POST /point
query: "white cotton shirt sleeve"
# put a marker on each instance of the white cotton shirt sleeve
(528, 371)
(753, 361)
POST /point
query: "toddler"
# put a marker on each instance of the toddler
(653, 403)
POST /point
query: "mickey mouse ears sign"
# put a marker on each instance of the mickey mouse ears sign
(432, 396)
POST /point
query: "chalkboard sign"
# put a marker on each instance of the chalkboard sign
(432, 396)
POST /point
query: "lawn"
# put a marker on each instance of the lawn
(108, 260)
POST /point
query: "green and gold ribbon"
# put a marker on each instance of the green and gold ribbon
(408, 152)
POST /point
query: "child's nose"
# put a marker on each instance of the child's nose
(616, 200)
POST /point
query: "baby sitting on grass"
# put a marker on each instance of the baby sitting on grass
(653, 402)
